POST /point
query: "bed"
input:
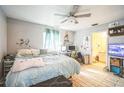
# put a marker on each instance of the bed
(56, 65)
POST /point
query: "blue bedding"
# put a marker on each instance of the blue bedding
(56, 65)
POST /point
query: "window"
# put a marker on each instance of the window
(51, 40)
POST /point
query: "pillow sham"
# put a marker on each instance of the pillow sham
(35, 52)
(28, 52)
(43, 51)
(23, 52)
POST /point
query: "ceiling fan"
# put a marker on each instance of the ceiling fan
(72, 16)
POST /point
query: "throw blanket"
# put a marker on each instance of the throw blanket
(20, 65)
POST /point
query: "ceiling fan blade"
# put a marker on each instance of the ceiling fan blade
(74, 9)
(83, 15)
(64, 20)
(64, 15)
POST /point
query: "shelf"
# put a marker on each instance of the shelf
(7, 65)
(116, 27)
(116, 66)
(8, 61)
(10, 64)
(116, 31)
(6, 70)
(116, 57)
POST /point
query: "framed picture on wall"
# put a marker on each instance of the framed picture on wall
(85, 44)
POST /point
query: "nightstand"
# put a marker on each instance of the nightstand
(7, 64)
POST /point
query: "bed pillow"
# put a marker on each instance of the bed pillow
(43, 51)
(21, 65)
(28, 52)
(35, 52)
(24, 52)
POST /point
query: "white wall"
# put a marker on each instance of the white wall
(3, 37)
(20, 29)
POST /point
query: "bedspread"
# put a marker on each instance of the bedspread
(56, 65)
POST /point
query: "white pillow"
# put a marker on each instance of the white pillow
(35, 52)
(23, 52)
(43, 51)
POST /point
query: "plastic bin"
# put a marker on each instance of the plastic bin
(115, 70)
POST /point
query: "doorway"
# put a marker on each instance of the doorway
(99, 47)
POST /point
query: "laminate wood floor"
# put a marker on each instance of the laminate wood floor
(94, 75)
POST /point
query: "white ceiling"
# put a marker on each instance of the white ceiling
(44, 14)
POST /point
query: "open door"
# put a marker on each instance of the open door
(99, 47)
